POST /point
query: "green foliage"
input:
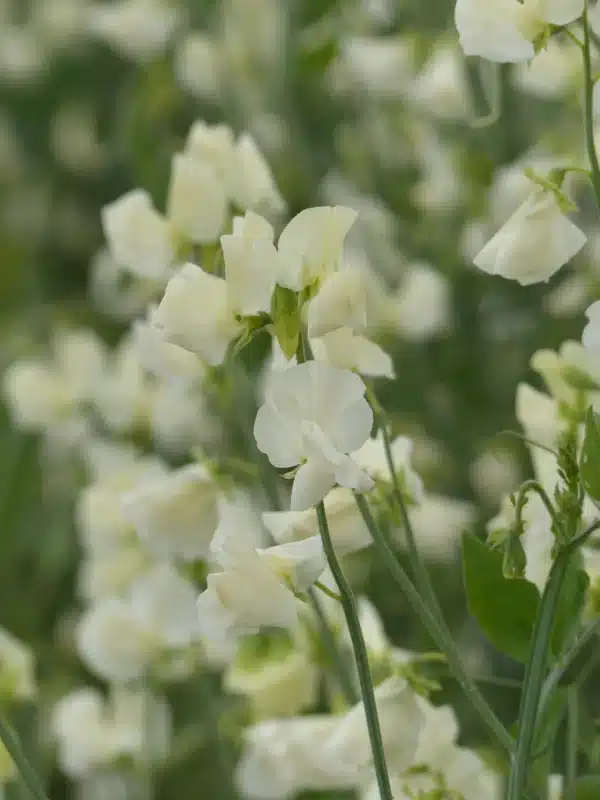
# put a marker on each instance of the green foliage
(504, 608)
(286, 320)
(590, 456)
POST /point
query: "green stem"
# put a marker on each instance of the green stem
(572, 742)
(588, 105)
(26, 771)
(360, 653)
(438, 632)
(534, 676)
(418, 566)
(338, 663)
(569, 658)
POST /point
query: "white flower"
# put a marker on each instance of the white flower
(162, 358)
(346, 526)
(113, 643)
(197, 203)
(139, 29)
(197, 65)
(350, 351)
(93, 733)
(341, 302)
(310, 246)
(252, 590)
(250, 182)
(213, 145)
(175, 514)
(506, 30)
(286, 757)
(251, 264)
(195, 313)
(314, 415)
(139, 238)
(121, 638)
(534, 243)
(276, 674)
(422, 307)
(400, 719)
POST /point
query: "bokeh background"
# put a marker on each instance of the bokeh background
(366, 103)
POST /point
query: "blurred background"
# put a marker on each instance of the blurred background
(364, 103)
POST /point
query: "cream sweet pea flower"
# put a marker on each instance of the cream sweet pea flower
(506, 30)
(310, 246)
(250, 181)
(346, 526)
(121, 638)
(341, 302)
(314, 415)
(534, 243)
(254, 588)
(197, 203)
(175, 514)
(285, 757)
(351, 351)
(196, 314)
(251, 264)
(139, 29)
(93, 732)
(138, 236)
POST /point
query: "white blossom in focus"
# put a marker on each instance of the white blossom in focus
(196, 314)
(314, 415)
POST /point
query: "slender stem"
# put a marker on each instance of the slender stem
(588, 105)
(419, 568)
(568, 659)
(585, 535)
(362, 660)
(534, 486)
(340, 666)
(329, 592)
(572, 742)
(534, 676)
(28, 775)
(438, 632)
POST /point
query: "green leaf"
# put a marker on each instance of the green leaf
(570, 605)
(590, 456)
(286, 320)
(587, 787)
(505, 608)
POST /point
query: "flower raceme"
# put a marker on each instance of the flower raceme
(314, 415)
(509, 30)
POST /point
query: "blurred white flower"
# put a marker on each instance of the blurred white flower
(93, 733)
(138, 237)
(138, 29)
(314, 415)
(197, 202)
(121, 639)
(197, 65)
(175, 514)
